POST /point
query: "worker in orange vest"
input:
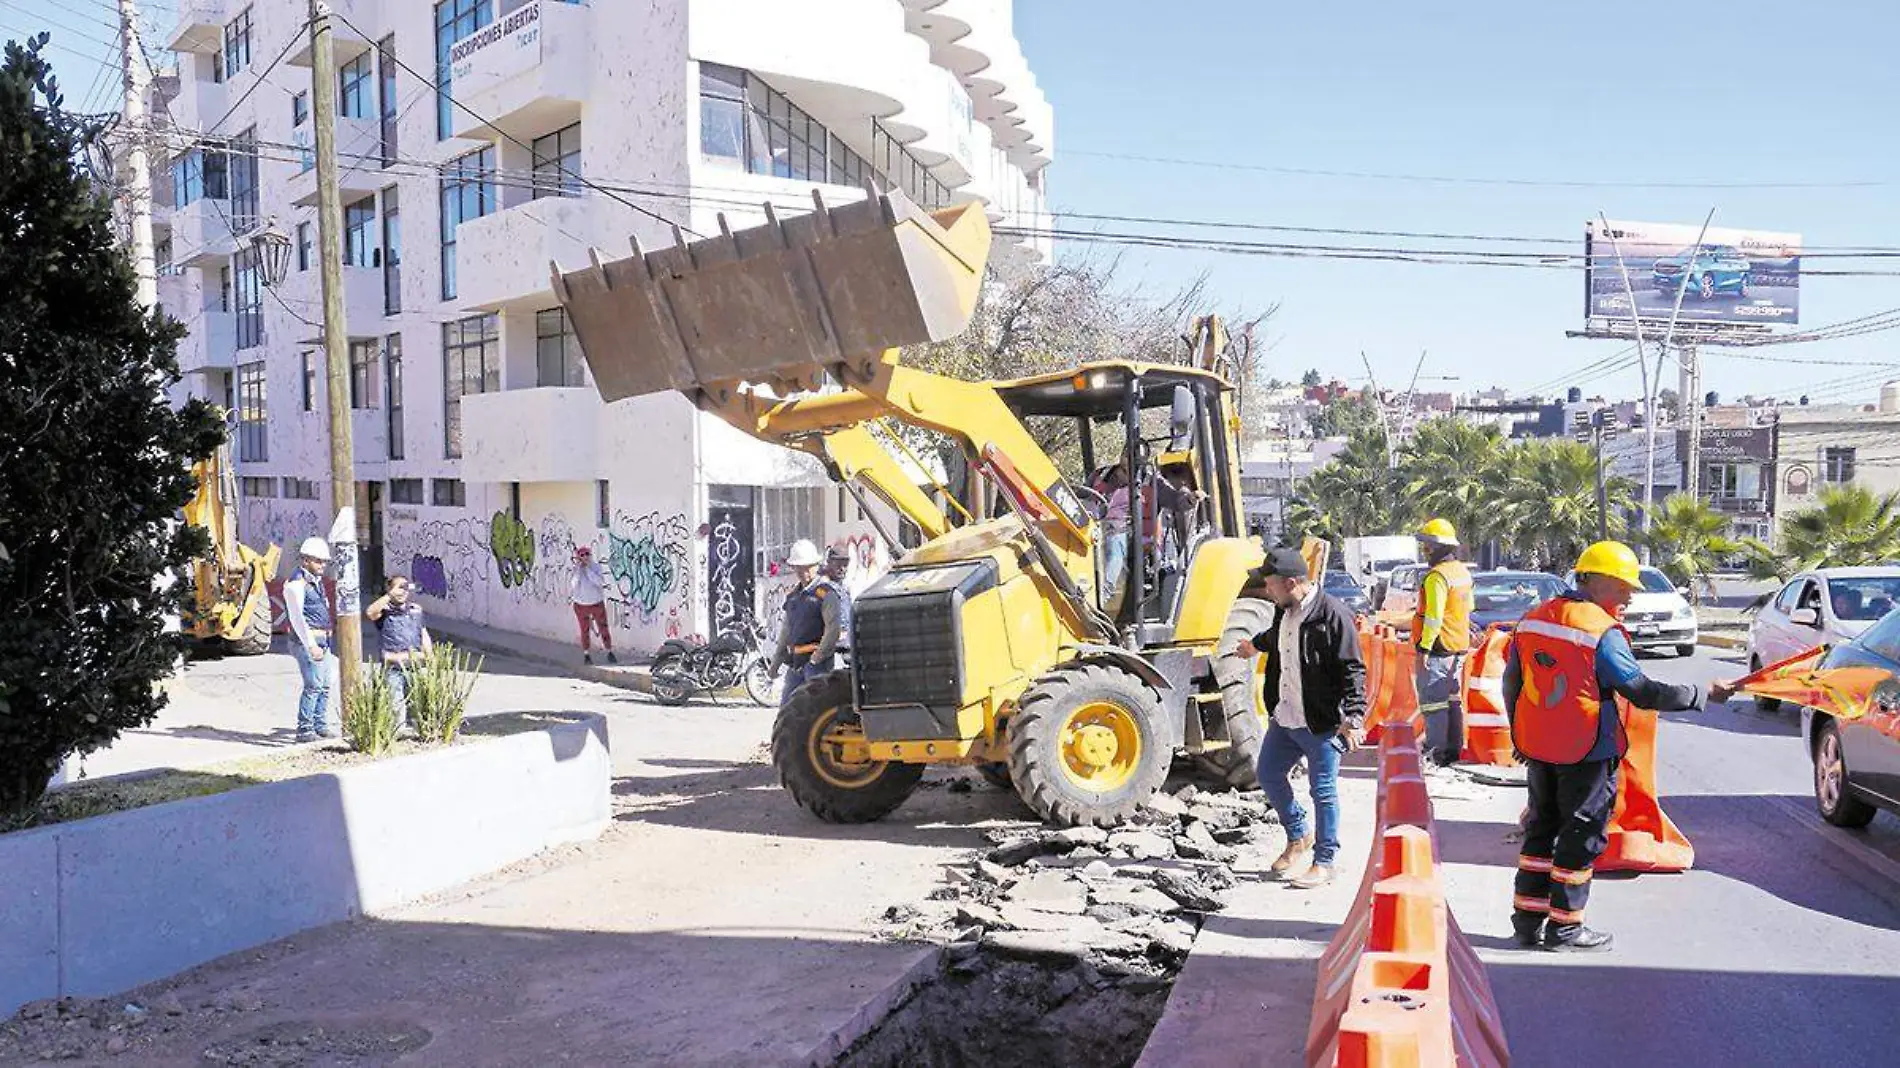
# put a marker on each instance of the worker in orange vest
(1441, 631)
(1569, 662)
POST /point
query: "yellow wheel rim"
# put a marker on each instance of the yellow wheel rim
(1260, 689)
(1101, 745)
(824, 751)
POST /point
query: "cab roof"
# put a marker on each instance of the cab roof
(1096, 389)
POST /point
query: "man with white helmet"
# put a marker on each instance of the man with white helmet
(808, 637)
(311, 631)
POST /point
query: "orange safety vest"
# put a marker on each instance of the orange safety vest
(1454, 631)
(1559, 706)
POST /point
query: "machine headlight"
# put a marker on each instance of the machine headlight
(1685, 612)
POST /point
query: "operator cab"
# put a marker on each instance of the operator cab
(1177, 464)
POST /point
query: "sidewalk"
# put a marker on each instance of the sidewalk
(627, 675)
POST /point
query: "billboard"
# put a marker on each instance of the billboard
(1735, 276)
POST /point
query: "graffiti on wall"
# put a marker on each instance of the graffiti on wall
(647, 557)
(729, 577)
(448, 559)
(429, 576)
(513, 545)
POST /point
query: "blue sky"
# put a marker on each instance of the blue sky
(1625, 94)
(1622, 93)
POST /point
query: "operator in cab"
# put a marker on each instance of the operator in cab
(1569, 663)
(813, 620)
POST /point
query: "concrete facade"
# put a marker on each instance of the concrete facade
(1850, 444)
(100, 905)
(483, 455)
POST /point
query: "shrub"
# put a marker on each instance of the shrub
(369, 716)
(439, 684)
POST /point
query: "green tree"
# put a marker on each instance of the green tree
(1447, 469)
(1546, 503)
(1310, 378)
(1345, 417)
(93, 463)
(1689, 539)
(1848, 526)
(1353, 496)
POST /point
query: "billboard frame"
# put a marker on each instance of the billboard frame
(1709, 323)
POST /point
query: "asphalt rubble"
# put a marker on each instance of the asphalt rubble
(1058, 946)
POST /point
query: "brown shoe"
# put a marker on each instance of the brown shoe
(1297, 854)
(1316, 876)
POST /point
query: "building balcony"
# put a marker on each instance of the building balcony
(526, 73)
(1740, 505)
(200, 27)
(359, 164)
(200, 235)
(211, 343)
(531, 435)
(362, 302)
(501, 260)
(286, 19)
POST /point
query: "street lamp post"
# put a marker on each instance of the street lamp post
(272, 246)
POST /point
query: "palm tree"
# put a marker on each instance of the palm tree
(1544, 496)
(1689, 538)
(1446, 472)
(1354, 495)
(1849, 526)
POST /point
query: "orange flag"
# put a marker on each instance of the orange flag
(1847, 693)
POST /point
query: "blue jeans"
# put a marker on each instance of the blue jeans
(319, 676)
(797, 675)
(1283, 748)
(398, 692)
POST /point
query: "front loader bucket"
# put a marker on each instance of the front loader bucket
(779, 302)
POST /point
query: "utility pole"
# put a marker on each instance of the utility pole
(1600, 425)
(1691, 406)
(138, 190)
(349, 628)
(1378, 405)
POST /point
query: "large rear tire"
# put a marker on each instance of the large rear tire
(812, 767)
(1088, 745)
(256, 639)
(1241, 699)
(669, 688)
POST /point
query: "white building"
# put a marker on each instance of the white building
(483, 454)
(1269, 472)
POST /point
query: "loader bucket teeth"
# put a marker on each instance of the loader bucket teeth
(783, 301)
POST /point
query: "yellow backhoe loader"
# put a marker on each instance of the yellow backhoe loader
(229, 603)
(1001, 641)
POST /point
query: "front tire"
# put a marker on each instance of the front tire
(668, 687)
(257, 635)
(1837, 803)
(1087, 745)
(758, 683)
(1705, 286)
(1686, 650)
(1242, 701)
(812, 766)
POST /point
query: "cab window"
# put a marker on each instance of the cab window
(1786, 601)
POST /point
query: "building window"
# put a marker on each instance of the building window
(299, 107)
(786, 515)
(251, 486)
(514, 500)
(197, 174)
(392, 252)
(1837, 464)
(300, 489)
(1733, 482)
(386, 96)
(557, 164)
(468, 192)
(162, 256)
(253, 414)
(309, 381)
(405, 491)
(244, 181)
(364, 355)
(303, 246)
(353, 88)
(248, 283)
(237, 43)
(359, 223)
(447, 493)
(603, 505)
(557, 355)
(471, 363)
(454, 20)
(224, 289)
(392, 355)
(746, 125)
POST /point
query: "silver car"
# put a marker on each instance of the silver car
(1828, 606)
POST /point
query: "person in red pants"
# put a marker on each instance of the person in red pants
(589, 594)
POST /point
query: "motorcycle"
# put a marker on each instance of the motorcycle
(683, 669)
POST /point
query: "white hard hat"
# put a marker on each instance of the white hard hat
(803, 554)
(315, 548)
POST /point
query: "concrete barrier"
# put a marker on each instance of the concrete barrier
(96, 906)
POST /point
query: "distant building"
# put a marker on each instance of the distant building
(1836, 444)
(1737, 465)
(1268, 474)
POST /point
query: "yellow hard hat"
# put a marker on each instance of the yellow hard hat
(1612, 558)
(1438, 532)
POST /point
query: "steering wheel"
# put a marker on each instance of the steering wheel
(1091, 493)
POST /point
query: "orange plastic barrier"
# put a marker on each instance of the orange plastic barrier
(1642, 837)
(1487, 728)
(1399, 984)
(1396, 698)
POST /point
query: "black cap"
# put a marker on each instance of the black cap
(1285, 562)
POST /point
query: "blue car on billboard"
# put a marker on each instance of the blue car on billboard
(1712, 269)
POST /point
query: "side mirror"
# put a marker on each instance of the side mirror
(1805, 617)
(1181, 420)
(1682, 591)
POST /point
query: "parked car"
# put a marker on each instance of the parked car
(1857, 762)
(1401, 590)
(1712, 269)
(1828, 606)
(1504, 596)
(1342, 585)
(1659, 615)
